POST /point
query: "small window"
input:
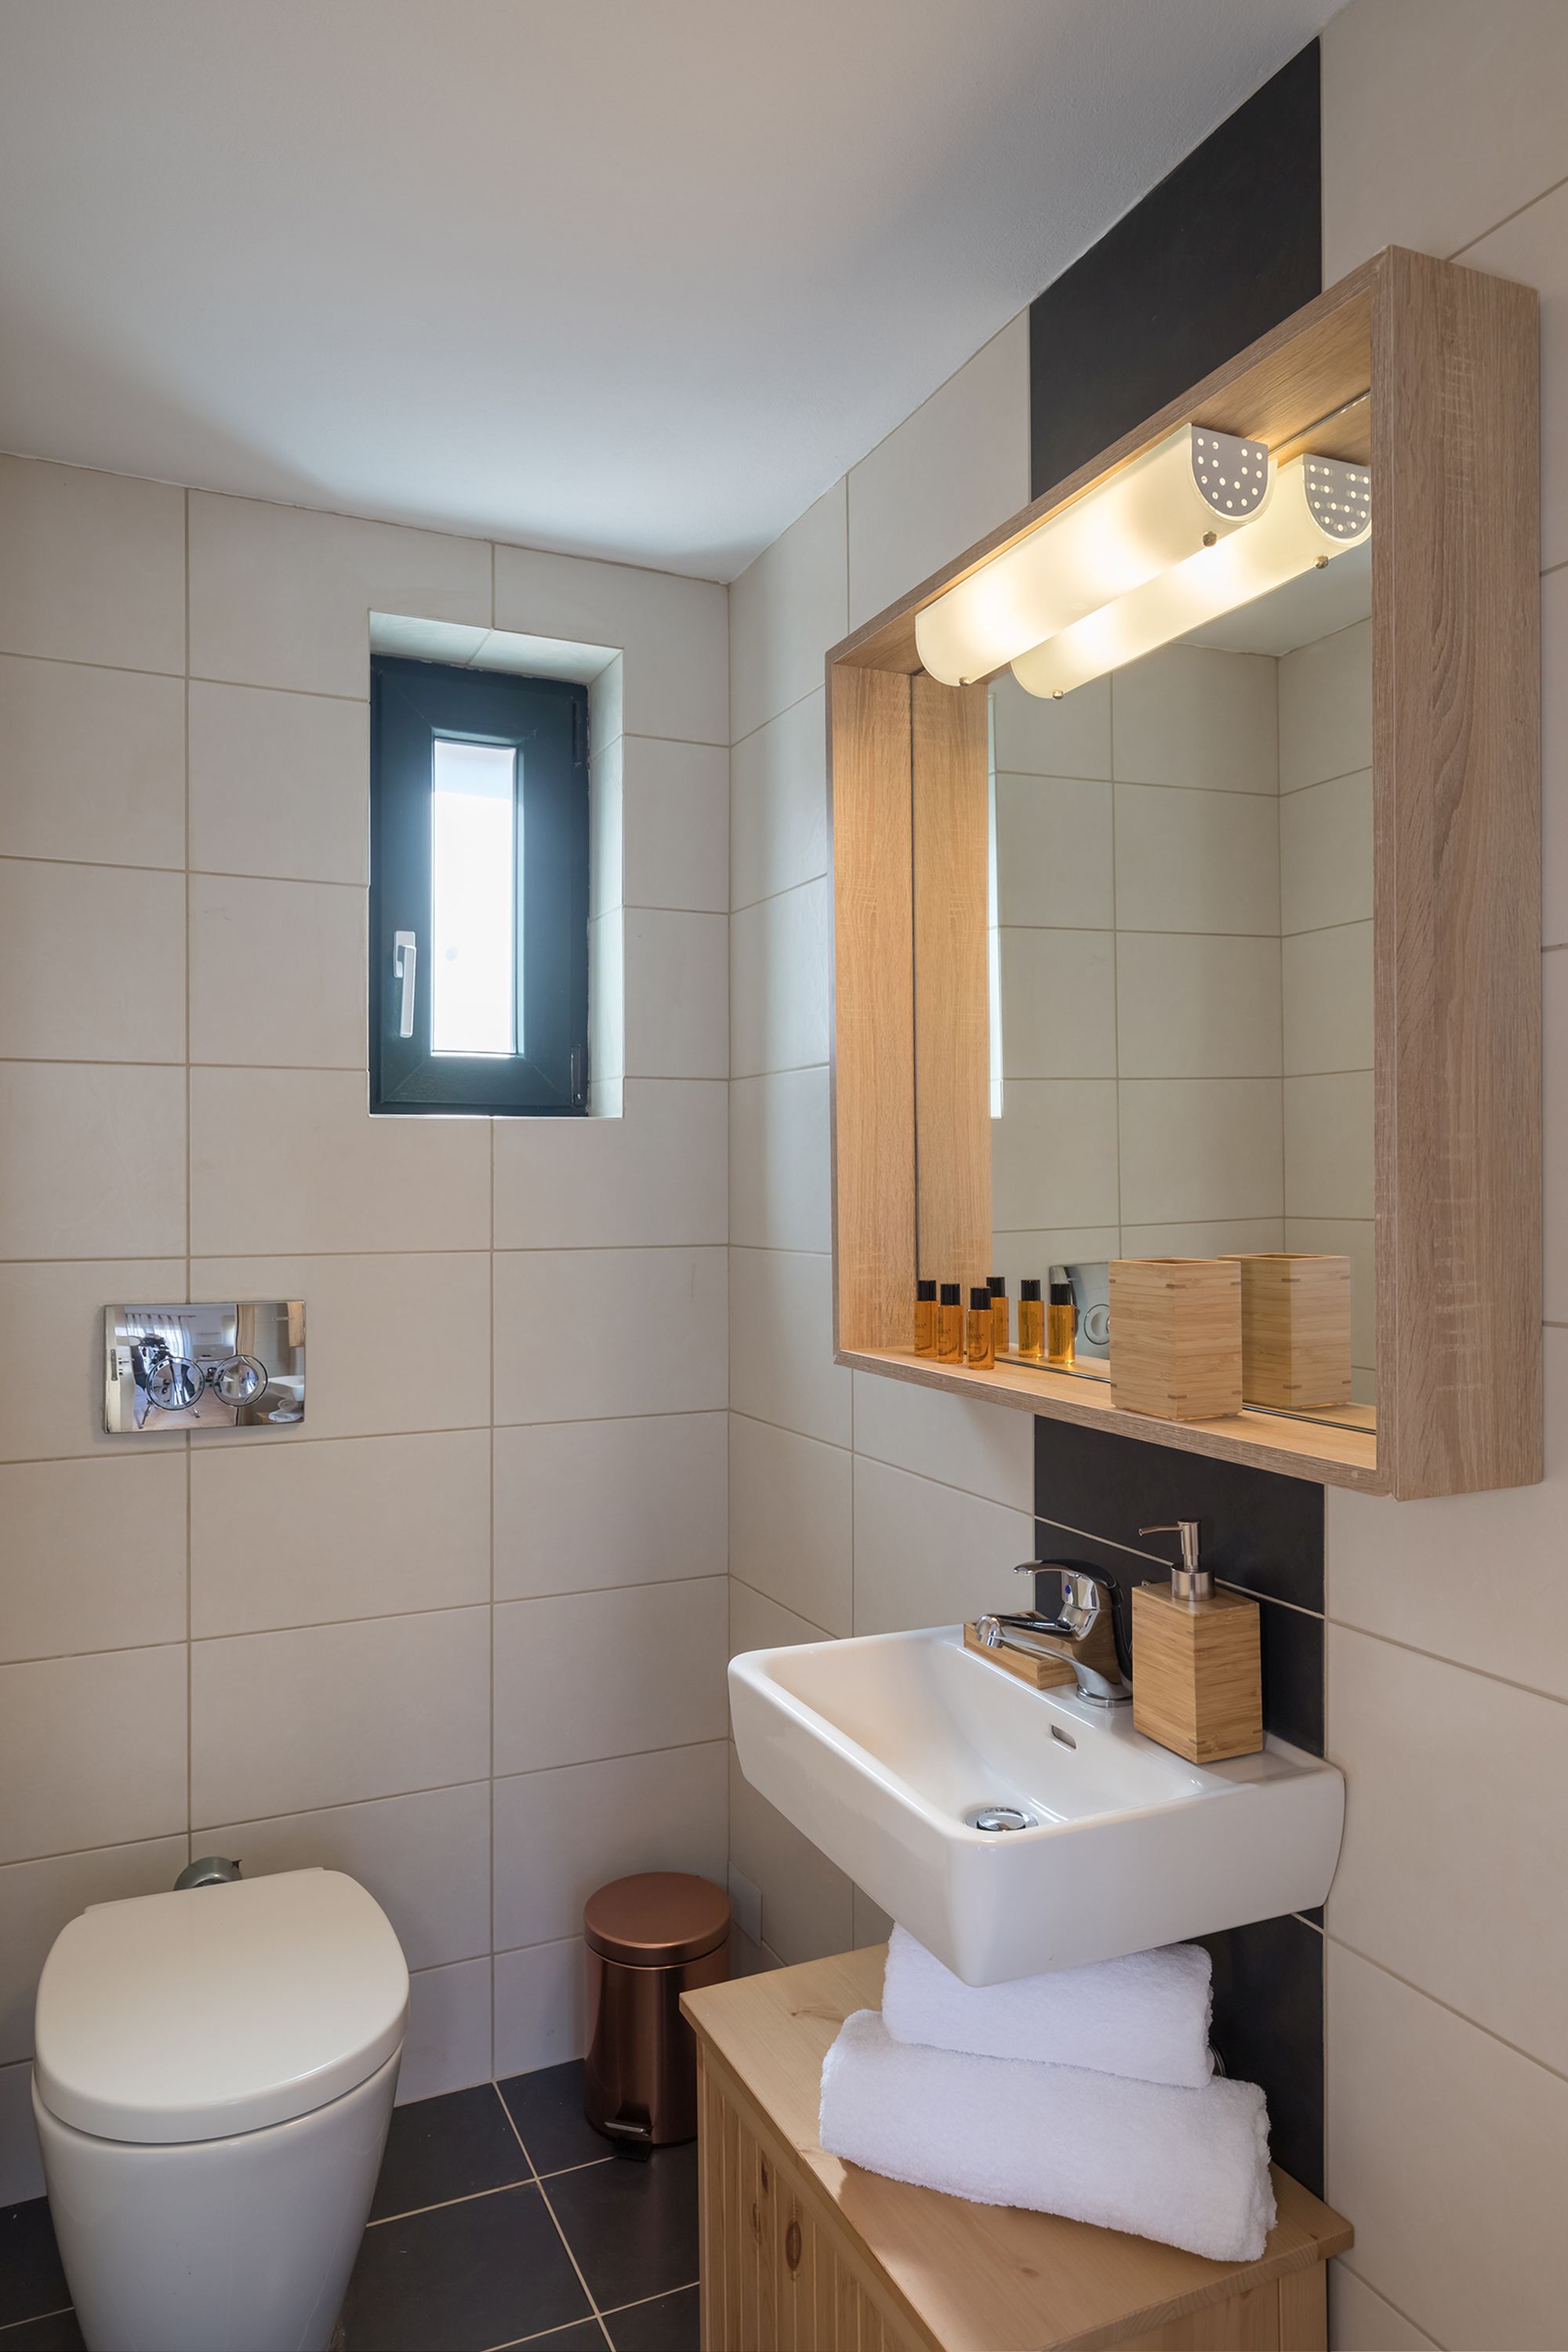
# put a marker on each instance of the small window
(479, 891)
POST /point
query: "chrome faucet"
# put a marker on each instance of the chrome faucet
(1086, 1629)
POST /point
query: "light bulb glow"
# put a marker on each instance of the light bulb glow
(1152, 514)
(1285, 539)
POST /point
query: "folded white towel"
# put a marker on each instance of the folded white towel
(1189, 2167)
(1146, 2016)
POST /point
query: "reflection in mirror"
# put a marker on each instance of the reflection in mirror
(1181, 957)
(230, 1365)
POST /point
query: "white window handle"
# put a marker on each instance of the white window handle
(404, 958)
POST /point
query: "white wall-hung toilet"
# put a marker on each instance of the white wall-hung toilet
(213, 2079)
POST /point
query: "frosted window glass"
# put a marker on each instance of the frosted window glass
(473, 867)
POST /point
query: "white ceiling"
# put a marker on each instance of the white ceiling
(635, 277)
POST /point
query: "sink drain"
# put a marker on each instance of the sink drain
(1002, 1817)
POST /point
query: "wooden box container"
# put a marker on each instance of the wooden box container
(1197, 1682)
(1295, 1329)
(1175, 1335)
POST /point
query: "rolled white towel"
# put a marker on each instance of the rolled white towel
(1188, 2168)
(1146, 2016)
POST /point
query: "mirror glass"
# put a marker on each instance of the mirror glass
(228, 1365)
(1180, 950)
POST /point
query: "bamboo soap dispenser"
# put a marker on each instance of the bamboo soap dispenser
(1197, 1683)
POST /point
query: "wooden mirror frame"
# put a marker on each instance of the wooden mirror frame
(1430, 371)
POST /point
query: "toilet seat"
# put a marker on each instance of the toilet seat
(217, 2010)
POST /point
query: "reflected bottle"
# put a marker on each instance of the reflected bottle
(1061, 1319)
(1031, 1321)
(980, 1347)
(925, 1319)
(950, 1324)
(999, 1336)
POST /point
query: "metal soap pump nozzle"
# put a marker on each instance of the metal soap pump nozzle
(1189, 1581)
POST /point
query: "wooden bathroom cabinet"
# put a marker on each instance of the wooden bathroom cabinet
(803, 2253)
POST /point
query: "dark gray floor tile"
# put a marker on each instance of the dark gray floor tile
(667, 2324)
(632, 2227)
(547, 2108)
(58, 2333)
(445, 2147)
(485, 2272)
(31, 2279)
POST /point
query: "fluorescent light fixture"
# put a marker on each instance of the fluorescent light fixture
(1189, 490)
(1318, 507)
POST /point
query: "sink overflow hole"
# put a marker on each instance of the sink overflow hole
(1002, 1817)
(1065, 1737)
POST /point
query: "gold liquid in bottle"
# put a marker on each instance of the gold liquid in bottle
(1061, 1319)
(925, 1319)
(950, 1325)
(999, 1337)
(981, 1350)
(1031, 1322)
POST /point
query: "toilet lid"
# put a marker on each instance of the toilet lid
(217, 2010)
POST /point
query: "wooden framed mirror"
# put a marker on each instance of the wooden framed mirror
(1227, 951)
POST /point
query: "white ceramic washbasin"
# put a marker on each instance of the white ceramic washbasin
(881, 1750)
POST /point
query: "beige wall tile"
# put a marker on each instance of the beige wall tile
(1329, 1146)
(1328, 999)
(448, 2043)
(283, 595)
(588, 1335)
(1407, 1570)
(1196, 861)
(758, 1623)
(585, 1504)
(285, 1161)
(778, 1161)
(1058, 1004)
(1188, 715)
(946, 476)
(1033, 735)
(561, 1834)
(393, 1342)
(672, 631)
(1361, 2321)
(791, 1532)
(52, 1318)
(366, 1526)
(95, 568)
(1055, 861)
(806, 1911)
(676, 823)
(425, 1859)
(780, 959)
(92, 1752)
(77, 1577)
(1408, 87)
(1035, 1252)
(1325, 855)
(930, 1555)
(1462, 1895)
(778, 812)
(278, 973)
(872, 1924)
(656, 1175)
(985, 1448)
(541, 2007)
(1200, 1149)
(1325, 709)
(284, 1722)
(1219, 1237)
(96, 1155)
(1053, 1154)
(1190, 1007)
(1448, 2150)
(91, 963)
(92, 763)
(582, 1675)
(781, 1343)
(786, 610)
(279, 783)
(677, 995)
(38, 1898)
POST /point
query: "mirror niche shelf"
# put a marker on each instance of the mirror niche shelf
(1186, 858)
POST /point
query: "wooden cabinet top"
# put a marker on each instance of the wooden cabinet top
(970, 2278)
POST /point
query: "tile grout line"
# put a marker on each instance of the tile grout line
(1556, 2073)
(1388, 2299)
(555, 2219)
